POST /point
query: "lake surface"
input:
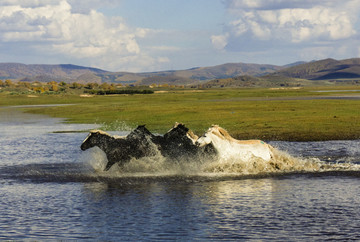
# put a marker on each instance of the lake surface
(50, 190)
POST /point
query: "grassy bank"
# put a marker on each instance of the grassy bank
(268, 114)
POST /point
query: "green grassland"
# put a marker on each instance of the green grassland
(253, 113)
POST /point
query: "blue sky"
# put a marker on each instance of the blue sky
(170, 14)
(144, 35)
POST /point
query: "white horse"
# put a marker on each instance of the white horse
(230, 148)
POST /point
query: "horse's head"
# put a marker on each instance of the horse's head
(205, 139)
(180, 134)
(212, 134)
(95, 138)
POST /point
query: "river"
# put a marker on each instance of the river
(51, 190)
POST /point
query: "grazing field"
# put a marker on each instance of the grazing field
(314, 113)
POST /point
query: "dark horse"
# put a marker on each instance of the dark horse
(177, 143)
(120, 150)
(114, 148)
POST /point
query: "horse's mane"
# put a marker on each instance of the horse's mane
(174, 127)
(94, 131)
(226, 135)
(192, 135)
(222, 131)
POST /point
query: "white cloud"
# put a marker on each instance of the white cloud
(287, 22)
(63, 30)
(53, 27)
(235, 5)
(219, 41)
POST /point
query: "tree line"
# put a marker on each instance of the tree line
(54, 87)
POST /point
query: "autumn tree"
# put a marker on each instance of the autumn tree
(9, 83)
(112, 86)
(75, 85)
(38, 89)
(105, 86)
(24, 84)
(91, 85)
(54, 87)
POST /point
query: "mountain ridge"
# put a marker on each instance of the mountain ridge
(71, 73)
(324, 69)
(60, 71)
(315, 70)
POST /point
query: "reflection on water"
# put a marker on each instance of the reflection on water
(290, 208)
(40, 211)
(50, 191)
(281, 209)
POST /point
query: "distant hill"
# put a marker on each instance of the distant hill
(294, 64)
(324, 70)
(71, 73)
(190, 76)
(230, 74)
(44, 72)
(227, 70)
(298, 74)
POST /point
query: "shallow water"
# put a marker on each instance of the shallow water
(50, 189)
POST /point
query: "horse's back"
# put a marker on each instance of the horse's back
(249, 142)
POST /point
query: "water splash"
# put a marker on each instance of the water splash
(281, 162)
(157, 165)
(116, 126)
(95, 158)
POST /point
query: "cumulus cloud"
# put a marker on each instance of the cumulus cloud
(54, 27)
(272, 23)
(273, 4)
(219, 41)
